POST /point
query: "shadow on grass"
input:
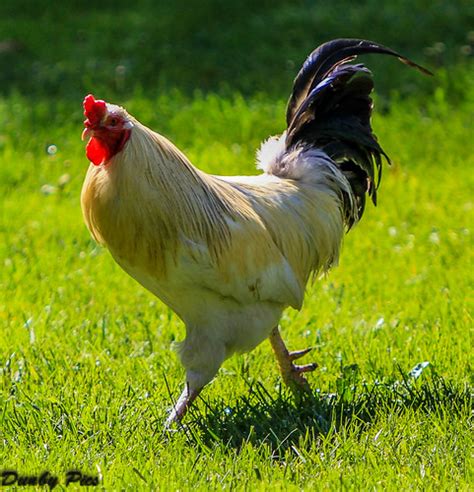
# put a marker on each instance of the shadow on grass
(280, 421)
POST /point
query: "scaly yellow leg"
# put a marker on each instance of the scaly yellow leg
(292, 374)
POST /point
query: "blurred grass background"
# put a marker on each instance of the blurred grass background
(64, 49)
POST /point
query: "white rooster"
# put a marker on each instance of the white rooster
(229, 254)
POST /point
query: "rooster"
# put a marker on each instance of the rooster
(229, 254)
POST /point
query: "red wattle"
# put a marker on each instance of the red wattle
(97, 151)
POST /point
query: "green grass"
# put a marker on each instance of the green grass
(87, 374)
(86, 352)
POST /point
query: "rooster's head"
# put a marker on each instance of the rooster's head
(108, 128)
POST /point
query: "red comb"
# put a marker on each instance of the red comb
(94, 109)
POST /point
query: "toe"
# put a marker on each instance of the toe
(297, 354)
(305, 368)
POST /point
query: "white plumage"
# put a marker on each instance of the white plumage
(229, 254)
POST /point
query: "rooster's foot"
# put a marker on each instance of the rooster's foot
(181, 406)
(292, 374)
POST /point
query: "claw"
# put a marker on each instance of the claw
(293, 377)
(306, 368)
(297, 354)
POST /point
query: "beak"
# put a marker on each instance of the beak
(86, 133)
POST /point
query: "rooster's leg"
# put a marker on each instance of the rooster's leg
(182, 405)
(292, 374)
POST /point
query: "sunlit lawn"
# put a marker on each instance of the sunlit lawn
(87, 370)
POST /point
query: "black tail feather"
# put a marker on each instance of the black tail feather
(329, 56)
(330, 108)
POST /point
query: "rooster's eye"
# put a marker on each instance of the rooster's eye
(113, 122)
